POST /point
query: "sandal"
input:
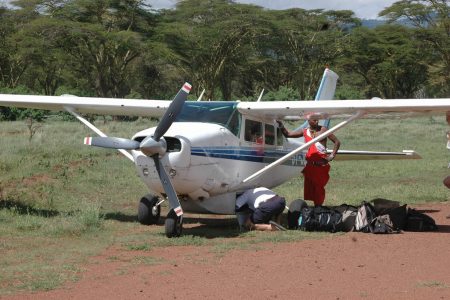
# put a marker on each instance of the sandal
(277, 226)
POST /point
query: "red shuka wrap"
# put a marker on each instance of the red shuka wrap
(316, 176)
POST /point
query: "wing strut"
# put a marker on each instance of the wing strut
(95, 129)
(358, 115)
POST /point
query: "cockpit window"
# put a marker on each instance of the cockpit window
(218, 112)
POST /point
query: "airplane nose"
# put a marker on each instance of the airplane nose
(182, 158)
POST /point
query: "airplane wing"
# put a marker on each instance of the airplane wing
(376, 108)
(294, 110)
(101, 106)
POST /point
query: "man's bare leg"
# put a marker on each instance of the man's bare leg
(261, 227)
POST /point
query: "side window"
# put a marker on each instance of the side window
(253, 131)
(269, 134)
(279, 137)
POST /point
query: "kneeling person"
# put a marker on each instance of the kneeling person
(265, 205)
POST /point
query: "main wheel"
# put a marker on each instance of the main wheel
(148, 211)
(173, 225)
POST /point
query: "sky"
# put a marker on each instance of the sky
(364, 9)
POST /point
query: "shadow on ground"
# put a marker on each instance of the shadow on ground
(25, 209)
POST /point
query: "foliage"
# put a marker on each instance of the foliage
(124, 48)
(432, 20)
(389, 58)
(119, 48)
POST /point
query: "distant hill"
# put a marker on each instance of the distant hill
(372, 23)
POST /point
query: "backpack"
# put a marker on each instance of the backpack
(348, 217)
(294, 213)
(381, 204)
(417, 221)
(397, 216)
(320, 218)
(364, 217)
(383, 224)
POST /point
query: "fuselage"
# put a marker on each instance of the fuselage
(211, 149)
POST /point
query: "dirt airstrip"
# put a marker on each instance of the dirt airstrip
(410, 265)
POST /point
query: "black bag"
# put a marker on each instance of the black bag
(380, 205)
(383, 224)
(397, 217)
(364, 217)
(320, 218)
(348, 217)
(294, 212)
(417, 221)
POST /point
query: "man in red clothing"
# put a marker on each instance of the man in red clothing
(316, 171)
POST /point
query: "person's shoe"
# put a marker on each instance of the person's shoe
(277, 226)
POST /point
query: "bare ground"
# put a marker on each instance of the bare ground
(410, 265)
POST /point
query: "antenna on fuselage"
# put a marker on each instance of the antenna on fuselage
(201, 95)
(260, 96)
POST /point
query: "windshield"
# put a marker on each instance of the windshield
(217, 112)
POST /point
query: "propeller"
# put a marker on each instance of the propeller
(153, 146)
(112, 142)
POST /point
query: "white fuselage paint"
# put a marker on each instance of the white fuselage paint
(208, 171)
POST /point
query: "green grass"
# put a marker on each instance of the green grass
(62, 202)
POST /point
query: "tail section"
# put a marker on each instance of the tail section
(327, 86)
(325, 92)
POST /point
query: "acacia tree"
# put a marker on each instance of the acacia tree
(431, 18)
(98, 39)
(206, 39)
(12, 64)
(389, 58)
(310, 40)
(46, 61)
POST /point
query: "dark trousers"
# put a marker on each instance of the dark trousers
(272, 207)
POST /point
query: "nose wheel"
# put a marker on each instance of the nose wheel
(173, 224)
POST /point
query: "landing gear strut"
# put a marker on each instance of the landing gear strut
(173, 225)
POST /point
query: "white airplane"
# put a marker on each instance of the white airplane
(203, 153)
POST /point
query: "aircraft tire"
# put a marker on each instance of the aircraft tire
(173, 225)
(148, 212)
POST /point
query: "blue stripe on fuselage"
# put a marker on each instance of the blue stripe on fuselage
(250, 154)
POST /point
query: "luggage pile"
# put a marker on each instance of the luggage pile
(376, 216)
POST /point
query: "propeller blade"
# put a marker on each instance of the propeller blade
(112, 142)
(168, 187)
(172, 112)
